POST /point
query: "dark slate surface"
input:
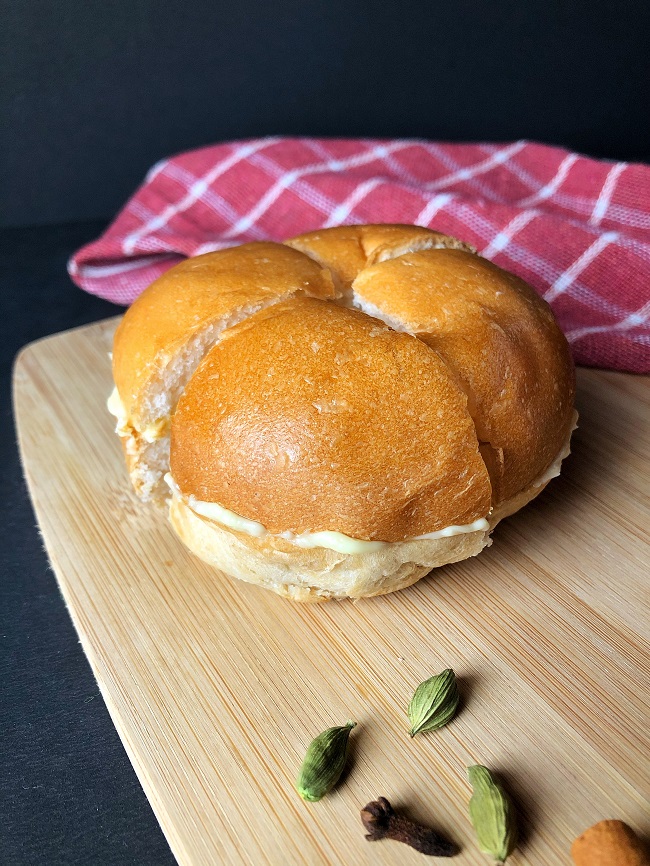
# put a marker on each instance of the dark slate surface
(94, 93)
(68, 794)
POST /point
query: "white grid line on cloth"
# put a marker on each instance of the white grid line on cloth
(447, 160)
(415, 187)
(499, 157)
(539, 266)
(397, 169)
(542, 268)
(582, 205)
(290, 177)
(505, 236)
(577, 204)
(97, 271)
(533, 183)
(317, 148)
(442, 156)
(303, 189)
(138, 210)
(437, 203)
(212, 247)
(317, 199)
(155, 169)
(565, 199)
(195, 192)
(308, 193)
(528, 180)
(577, 290)
(469, 216)
(432, 207)
(549, 189)
(603, 200)
(583, 261)
(521, 255)
(210, 198)
(311, 195)
(150, 244)
(620, 213)
(633, 320)
(405, 180)
(342, 211)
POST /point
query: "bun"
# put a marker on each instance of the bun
(167, 331)
(348, 410)
(334, 422)
(493, 331)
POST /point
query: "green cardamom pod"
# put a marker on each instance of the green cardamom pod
(324, 762)
(492, 814)
(434, 703)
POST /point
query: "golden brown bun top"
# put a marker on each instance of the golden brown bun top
(487, 347)
(195, 293)
(501, 340)
(310, 417)
(346, 250)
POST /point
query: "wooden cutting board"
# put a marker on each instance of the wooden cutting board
(216, 687)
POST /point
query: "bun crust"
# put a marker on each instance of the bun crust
(334, 422)
(501, 340)
(168, 329)
(198, 292)
(347, 250)
(381, 381)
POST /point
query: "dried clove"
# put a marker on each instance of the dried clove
(382, 822)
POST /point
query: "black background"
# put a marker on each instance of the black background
(92, 94)
(68, 794)
(95, 93)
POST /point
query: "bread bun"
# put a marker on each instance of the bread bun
(334, 423)
(347, 250)
(348, 410)
(167, 331)
(492, 330)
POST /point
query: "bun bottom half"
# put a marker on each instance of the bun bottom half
(316, 574)
(319, 574)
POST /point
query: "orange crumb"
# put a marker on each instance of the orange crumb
(609, 843)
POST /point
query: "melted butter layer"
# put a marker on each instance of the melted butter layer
(554, 469)
(150, 433)
(332, 540)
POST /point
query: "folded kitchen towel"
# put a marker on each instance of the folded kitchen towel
(577, 229)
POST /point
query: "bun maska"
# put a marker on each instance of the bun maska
(337, 415)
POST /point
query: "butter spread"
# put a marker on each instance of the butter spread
(554, 469)
(337, 540)
(116, 408)
(332, 540)
(150, 433)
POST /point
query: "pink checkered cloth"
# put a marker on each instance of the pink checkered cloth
(577, 229)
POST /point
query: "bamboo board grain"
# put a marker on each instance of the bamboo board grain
(216, 687)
